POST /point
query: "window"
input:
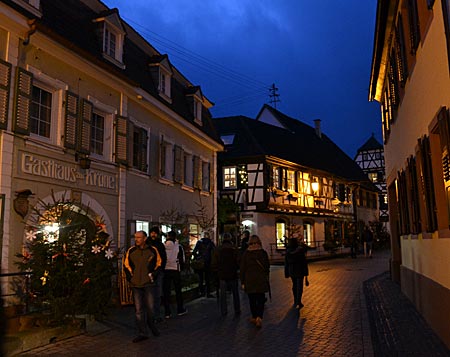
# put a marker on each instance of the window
(197, 110)
(291, 180)
(308, 233)
(373, 176)
(97, 133)
(228, 139)
(161, 72)
(206, 174)
(113, 38)
(276, 177)
(446, 13)
(164, 83)
(166, 160)
(280, 229)
(40, 112)
(243, 176)
(413, 17)
(188, 169)
(229, 177)
(140, 144)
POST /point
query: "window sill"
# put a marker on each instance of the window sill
(187, 188)
(205, 193)
(165, 181)
(113, 61)
(165, 97)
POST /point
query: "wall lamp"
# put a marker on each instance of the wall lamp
(83, 160)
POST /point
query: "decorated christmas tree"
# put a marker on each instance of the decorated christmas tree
(69, 256)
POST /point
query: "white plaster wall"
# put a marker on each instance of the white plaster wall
(428, 257)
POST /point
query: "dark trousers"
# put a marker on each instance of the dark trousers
(257, 301)
(172, 276)
(143, 305)
(297, 289)
(204, 281)
(232, 285)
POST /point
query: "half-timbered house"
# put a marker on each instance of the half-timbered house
(370, 158)
(289, 179)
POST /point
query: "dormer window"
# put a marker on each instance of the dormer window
(161, 71)
(113, 35)
(33, 6)
(196, 99)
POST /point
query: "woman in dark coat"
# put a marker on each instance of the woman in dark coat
(296, 267)
(254, 271)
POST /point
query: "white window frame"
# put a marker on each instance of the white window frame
(197, 109)
(57, 89)
(108, 113)
(164, 86)
(109, 27)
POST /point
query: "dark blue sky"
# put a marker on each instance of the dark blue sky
(318, 54)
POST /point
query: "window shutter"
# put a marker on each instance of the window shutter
(84, 125)
(121, 154)
(143, 137)
(162, 157)
(22, 102)
(197, 172)
(426, 175)
(71, 121)
(444, 137)
(178, 173)
(5, 86)
(206, 178)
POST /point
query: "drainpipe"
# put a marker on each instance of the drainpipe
(32, 30)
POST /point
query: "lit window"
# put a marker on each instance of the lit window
(373, 176)
(229, 177)
(276, 177)
(308, 236)
(291, 180)
(280, 228)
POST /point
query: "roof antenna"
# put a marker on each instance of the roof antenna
(274, 96)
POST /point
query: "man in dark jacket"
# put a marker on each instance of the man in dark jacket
(296, 267)
(225, 264)
(141, 265)
(203, 250)
(155, 241)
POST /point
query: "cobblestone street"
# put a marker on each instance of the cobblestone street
(334, 322)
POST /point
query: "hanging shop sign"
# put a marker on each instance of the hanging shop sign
(35, 165)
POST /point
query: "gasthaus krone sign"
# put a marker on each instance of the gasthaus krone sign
(48, 168)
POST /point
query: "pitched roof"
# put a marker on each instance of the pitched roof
(370, 144)
(71, 23)
(297, 142)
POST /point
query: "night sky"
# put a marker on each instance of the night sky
(317, 53)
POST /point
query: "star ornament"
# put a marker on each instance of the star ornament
(30, 236)
(109, 254)
(96, 249)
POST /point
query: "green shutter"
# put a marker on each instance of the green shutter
(197, 173)
(5, 86)
(71, 121)
(121, 154)
(178, 173)
(84, 127)
(22, 101)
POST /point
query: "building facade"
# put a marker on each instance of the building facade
(370, 158)
(410, 78)
(291, 180)
(92, 113)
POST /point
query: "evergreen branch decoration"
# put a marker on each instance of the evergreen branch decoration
(67, 251)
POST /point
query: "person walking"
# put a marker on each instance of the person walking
(296, 268)
(254, 273)
(225, 264)
(202, 255)
(368, 239)
(244, 241)
(175, 263)
(155, 241)
(141, 265)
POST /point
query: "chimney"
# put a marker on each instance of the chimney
(317, 127)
